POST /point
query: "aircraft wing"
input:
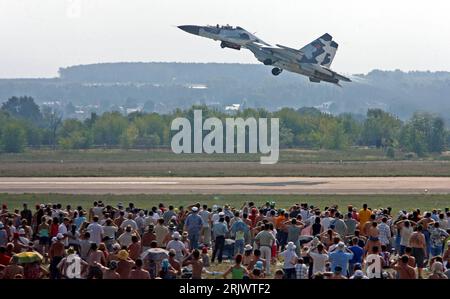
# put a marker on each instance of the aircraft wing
(284, 53)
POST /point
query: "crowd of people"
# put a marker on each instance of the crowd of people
(199, 241)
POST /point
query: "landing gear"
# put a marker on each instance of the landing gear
(268, 61)
(276, 71)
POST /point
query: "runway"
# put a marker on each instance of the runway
(226, 185)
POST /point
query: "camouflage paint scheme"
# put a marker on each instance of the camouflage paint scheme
(313, 60)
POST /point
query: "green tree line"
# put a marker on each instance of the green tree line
(24, 124)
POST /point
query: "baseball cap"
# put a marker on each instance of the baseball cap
(194, 209)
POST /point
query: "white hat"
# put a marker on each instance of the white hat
(176, 235)
(54, 239)
(291, 246)
(248, 247)
(341, 245)
(21, 231)
(221, 214)
(194, 209)
(116, 246)
(42, 206)
(60, 236)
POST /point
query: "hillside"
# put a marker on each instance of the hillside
(163, 87)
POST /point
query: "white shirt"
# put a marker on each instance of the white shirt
(125, 239)
(178, 246)
(62, 229)
(96, 231)
(205, 216)
(140, 222)
(288, 259)
(319, 261)
(405, 235)
(129, 222)
(110, 231)
(215, 218)
(326, 222)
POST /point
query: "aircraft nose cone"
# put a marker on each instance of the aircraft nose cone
(190, 29)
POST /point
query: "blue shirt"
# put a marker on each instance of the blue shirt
(79, 221)
(239, 225)
(220, 229)
(358, 253)
(194, 224)
(341, 259)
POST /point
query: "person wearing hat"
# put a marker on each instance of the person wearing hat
(359, 274)
(177, 245)
(167, 271)
(219, 230)
(13, 268)
(125, 264)
(113, 255)
(247, 257)
(56, 254)
(290, 257)
(70, 258)
(193, 225)
(340, 257)
(172, 227)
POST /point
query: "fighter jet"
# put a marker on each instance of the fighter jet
(313, 60)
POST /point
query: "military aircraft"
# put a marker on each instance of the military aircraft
(313, 60)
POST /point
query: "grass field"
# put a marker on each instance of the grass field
(397, 202)
(313, 163)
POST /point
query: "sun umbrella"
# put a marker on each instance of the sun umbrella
(29, 257)
(156, 254)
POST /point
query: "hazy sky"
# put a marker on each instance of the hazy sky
(39, 36)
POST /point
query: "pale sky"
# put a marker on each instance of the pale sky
(39, 36)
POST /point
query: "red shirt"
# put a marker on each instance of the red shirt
(4, 259)
(53, 230)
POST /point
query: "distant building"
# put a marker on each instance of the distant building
(233, 107)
